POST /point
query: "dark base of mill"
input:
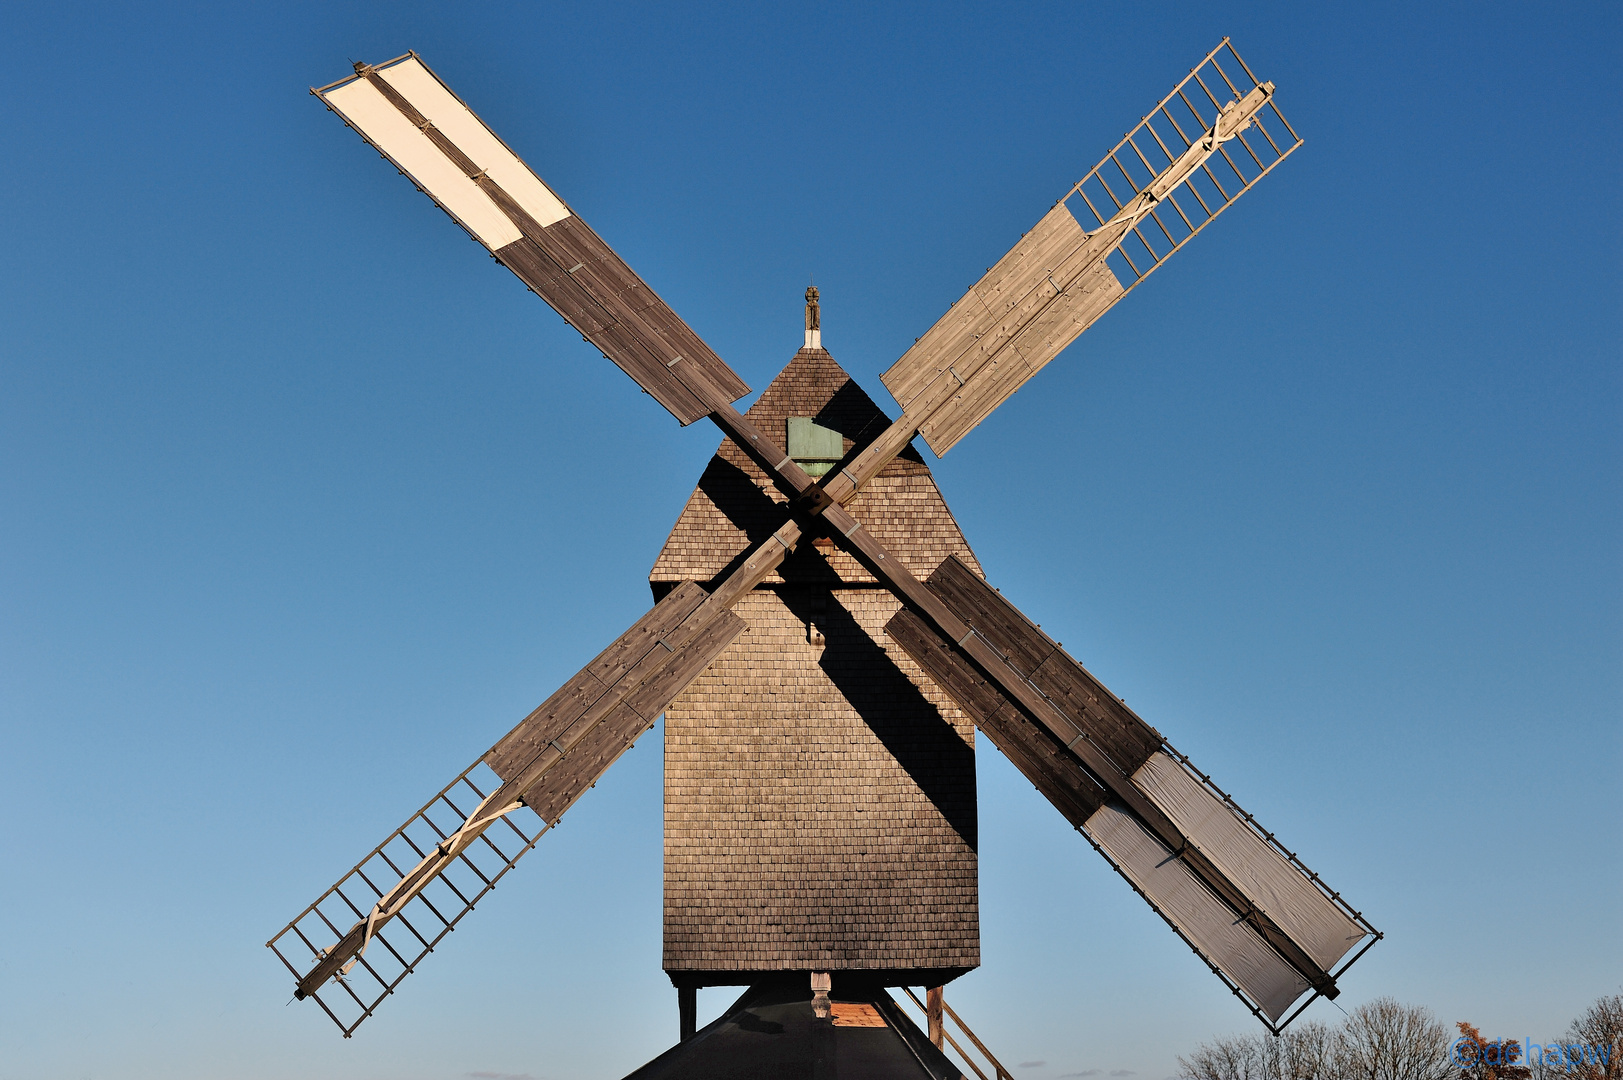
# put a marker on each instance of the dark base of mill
(773, 1033)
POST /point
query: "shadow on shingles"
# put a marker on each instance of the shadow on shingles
(905, 721)
(853, 414)
(907, 724)
(753, 512)
(750, 509)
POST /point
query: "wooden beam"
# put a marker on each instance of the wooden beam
(687, 1009)
(1073, 733)
(1041, 758)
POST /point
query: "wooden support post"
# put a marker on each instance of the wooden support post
(932, 1010)
(687, 1005)
(821, 984)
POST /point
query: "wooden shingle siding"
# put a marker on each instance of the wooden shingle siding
(819, 788)
(819, 801)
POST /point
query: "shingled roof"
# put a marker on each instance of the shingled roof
(736, 506)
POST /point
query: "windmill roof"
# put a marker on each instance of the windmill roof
(773, 1031)
(737, 506)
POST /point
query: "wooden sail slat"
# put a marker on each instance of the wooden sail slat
(1027, 308)
(951, 336)
(1109, 723)
(1113, 745)
(608, 670)
(1055, 282)
(1035, 344)
(546, 763)
(1035, 752)
(989, 313)
(558, 789)
(409, 114)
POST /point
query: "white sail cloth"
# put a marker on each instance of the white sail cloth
(1271, 881)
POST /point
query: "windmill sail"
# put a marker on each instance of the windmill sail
(1262, 920)
(1203, 146)
(419, 883)
(413, 119)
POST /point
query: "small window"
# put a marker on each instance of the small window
(814, 448)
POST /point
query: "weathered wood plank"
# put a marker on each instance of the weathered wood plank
(1030, 261)
(1037, 342)
(950, 338)
(628, 348)
(1038, 756)
(983, 392)
(1022, 313)
(1127, 739)
(599, 678)
(571, 268)
(673, 648)
(656, 691)
(618, 288)
(684, 342)
(591, 262)
(632, 715)
(974, 332)
(550, 719)
(1109, 724)
(561, 786)
(998, 621)
(566, 295)
(618, 660)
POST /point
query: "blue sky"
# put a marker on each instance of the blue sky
(305, 501)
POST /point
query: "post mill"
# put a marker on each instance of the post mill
(824, 646)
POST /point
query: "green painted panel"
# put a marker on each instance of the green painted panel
(811, 442)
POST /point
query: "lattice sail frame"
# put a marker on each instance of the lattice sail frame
(1062, 276)
(428, 917)
(1172, 127)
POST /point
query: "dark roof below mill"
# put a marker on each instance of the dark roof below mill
(772, 1032)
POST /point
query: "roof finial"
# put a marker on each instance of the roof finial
(814, 320)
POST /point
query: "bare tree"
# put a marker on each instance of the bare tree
(1381, 1040)
(1232, 1058)
(1387, 1040)
(1592, 1048)
(1305, 1052)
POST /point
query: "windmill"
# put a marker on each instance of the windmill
(776, 531)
